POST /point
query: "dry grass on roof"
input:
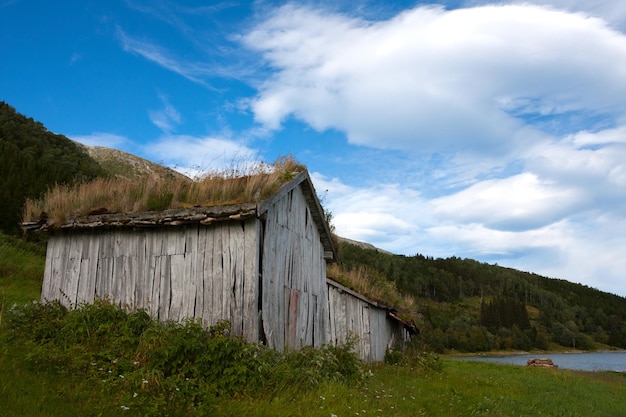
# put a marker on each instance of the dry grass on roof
(120, 195)
(372, 285)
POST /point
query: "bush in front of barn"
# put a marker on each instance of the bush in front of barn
(152, 366)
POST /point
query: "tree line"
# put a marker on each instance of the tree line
(471, 306)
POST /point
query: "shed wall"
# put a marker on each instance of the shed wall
(206, 272)
(375, 330)
(294, 297)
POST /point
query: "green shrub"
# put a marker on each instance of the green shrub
(414, 357)
(308, 367)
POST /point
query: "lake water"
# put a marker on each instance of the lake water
(594, 361)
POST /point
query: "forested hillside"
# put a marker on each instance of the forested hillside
(31, 160)
(471, 306)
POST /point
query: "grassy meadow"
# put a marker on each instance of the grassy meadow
(100, 361)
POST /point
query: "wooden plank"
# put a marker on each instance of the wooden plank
(305, 321)
(177, 288)
(207, 277)
(82, 294)
(226, 276)
(189, 274)
(366, 335)
(237, 272)
(251, 253)
(154, 276)
(164, 289)
(101, 278)
(92, 273)
(292, 297)
(72, 272)
(142, 288)
(198, 311)
(49, 277)
(57, 271)
(217, 275)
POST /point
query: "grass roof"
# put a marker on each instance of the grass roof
(235, 185)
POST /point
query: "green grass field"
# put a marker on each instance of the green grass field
(58, 365)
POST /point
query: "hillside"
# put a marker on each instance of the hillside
(122, 164)
(33, 159)
(469, 306)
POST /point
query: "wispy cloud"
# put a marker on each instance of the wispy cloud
(166, 118)
(160, 56)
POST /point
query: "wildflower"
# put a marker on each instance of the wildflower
(144, 381)
(125, 408)
(135, 395)
(121, 376)
(135, 363)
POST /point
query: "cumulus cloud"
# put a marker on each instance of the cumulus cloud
(520, 107)
(519, 202)
(476, 78)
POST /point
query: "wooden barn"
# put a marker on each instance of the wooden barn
(376, 326)
(260, 265)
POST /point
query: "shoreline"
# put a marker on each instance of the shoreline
(539, 353)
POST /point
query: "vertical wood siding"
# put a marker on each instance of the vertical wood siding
(375, 330)
(206, 272)
(294, 307)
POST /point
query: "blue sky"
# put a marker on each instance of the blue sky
(489, 130)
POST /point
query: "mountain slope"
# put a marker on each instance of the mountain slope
(31, 160)
(121, 164)
(463, 303)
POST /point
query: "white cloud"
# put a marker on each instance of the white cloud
(583, 246)
(519, 202)
(386, 215)
(430, 79)
(165, 119)
(194, 156)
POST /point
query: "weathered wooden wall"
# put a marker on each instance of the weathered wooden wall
(208, 272)
(294, 298)
(350, 313)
